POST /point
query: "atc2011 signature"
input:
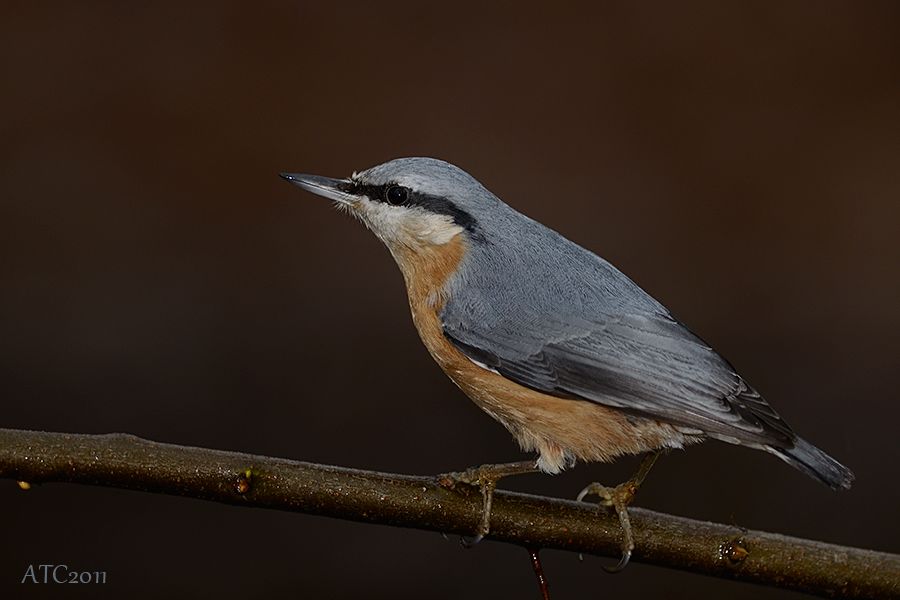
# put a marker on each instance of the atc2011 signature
(61, 574)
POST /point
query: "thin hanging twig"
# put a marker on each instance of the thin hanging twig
(535, 555)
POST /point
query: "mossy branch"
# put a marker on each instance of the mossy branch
(125, 461)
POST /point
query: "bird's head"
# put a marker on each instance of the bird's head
(414, 205)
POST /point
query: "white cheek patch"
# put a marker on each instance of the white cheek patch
(436, 229)
(405, 225)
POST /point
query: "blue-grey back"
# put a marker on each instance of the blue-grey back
(521, 270)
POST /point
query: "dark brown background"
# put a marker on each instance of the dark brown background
(740, 161)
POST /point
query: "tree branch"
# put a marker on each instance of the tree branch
(128, 462)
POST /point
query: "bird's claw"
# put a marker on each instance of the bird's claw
(486, 481)
(470, 542)
(485, 478)
(617, 498)
(620, 566)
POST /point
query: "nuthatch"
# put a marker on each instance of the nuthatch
(569, 354)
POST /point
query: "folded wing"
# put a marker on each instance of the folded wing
(645, 364)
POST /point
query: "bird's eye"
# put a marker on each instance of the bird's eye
(396, 194)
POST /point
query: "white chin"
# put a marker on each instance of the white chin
(411, 227)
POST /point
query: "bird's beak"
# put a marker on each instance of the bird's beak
(333, 189)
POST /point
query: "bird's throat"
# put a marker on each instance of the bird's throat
(427, 269)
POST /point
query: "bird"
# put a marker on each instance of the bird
(570, 355)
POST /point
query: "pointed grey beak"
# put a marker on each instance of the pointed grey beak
(333, 189)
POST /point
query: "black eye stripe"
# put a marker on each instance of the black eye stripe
(375, 193)
(407, 197)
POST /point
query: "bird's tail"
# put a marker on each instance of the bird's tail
(816, 464)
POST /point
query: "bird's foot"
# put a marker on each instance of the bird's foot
(485, 478)
(619, 498)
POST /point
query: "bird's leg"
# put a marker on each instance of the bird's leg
(486, 478)
(619, 498)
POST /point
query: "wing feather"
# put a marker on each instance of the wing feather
(647, 365)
